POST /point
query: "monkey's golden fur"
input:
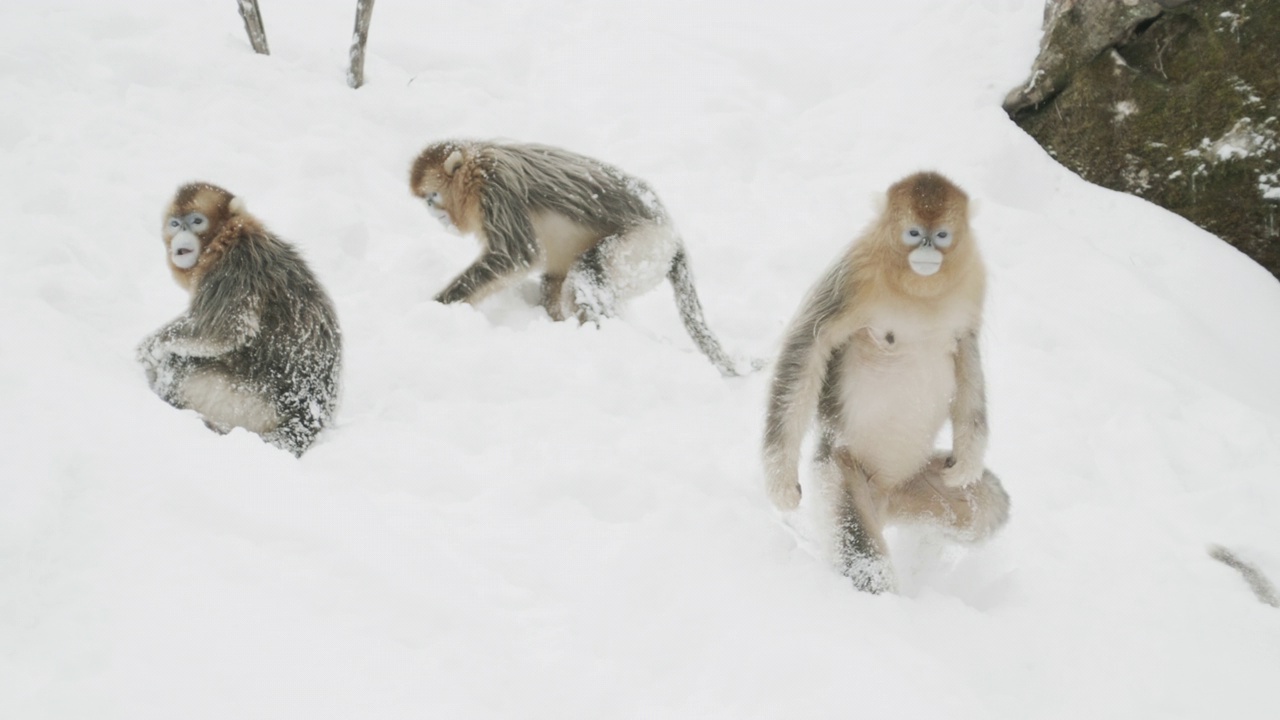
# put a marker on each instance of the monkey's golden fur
(878, 259)
(460, 190)
(225, 213)
(882, 355)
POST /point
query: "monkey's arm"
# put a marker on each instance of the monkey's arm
(224, 314)
(476, 281)
(968, 415)
(510, 249)
(188, 337)
(797, 382)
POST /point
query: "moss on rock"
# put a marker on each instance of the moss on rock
(1183, 112)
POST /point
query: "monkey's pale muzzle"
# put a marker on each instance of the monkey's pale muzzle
(925, 260)
(184, 250)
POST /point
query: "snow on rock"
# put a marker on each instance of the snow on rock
(512, 517)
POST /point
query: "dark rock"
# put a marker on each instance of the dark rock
(1176, 101)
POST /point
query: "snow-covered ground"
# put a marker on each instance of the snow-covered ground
(514, 518)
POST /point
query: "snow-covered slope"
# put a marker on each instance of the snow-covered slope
(514, 518)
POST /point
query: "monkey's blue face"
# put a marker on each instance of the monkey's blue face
(184, 241)
(435, 206)
(926, 258)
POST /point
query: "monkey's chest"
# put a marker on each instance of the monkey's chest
(896, 386)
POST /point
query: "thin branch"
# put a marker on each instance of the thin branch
(253, 26)
(364, 11)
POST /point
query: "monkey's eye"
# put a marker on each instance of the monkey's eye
(196, 221)
(912, 236)
(173, 222)
(942, 238)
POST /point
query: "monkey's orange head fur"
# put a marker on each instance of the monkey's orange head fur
(199, 222)
(434, 166)
(930, 199)
(921, 244)
(449, 177)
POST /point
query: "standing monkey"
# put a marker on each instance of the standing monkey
(883, 351)
(599, 235)
(259, 346)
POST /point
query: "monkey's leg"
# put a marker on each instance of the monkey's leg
(863, 555)
(303, 411)
(586, 289)
(552, 287)
(969, 514)
(294, 434)
(619, 267)
(225, 402)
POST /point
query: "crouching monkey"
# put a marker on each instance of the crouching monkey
(259, 345)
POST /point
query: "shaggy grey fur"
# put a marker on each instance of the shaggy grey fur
(524, 179)
(827, 300)
(540, 177)
(261, 319)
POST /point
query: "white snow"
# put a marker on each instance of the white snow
(515, 518)
(1124, 109)
(1241, 141)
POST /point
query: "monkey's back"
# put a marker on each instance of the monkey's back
(590, 192)
(294, 359)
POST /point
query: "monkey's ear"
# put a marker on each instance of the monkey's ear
(236, 206)
(975, 208)
(452, 162)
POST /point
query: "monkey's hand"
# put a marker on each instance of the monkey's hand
(450, 296)
(161, 344)
(162, 368)
(146, 356)
(481, 277)
(784, 490)
(151, 351)
(962, 470)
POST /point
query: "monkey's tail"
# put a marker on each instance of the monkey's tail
(691, 314)
(1261, 586)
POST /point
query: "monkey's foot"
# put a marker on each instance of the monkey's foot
(961, 474)
(784, 493)
(870, 574)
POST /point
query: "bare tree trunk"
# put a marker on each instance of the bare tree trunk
(364, 11)
(253, 26)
